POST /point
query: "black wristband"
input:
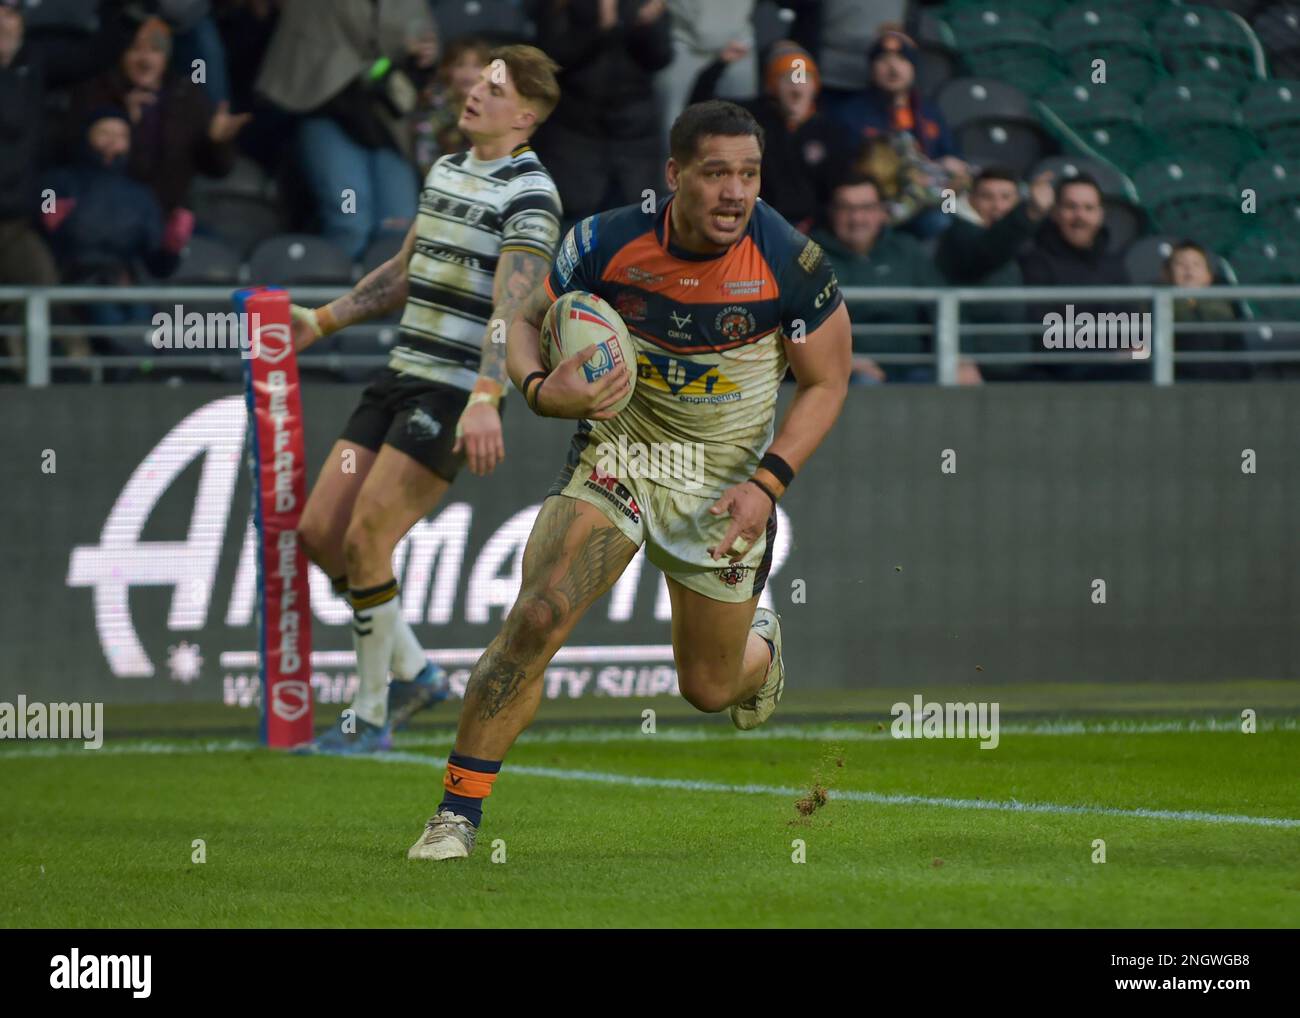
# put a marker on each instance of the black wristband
(778, 467)
(764, 489)
(524, 389)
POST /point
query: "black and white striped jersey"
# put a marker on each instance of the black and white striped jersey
(470, 213)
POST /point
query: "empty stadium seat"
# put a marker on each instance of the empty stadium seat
(298, 258)
(490, 19)
(242, 221)
(1276, 184)
(1267, 259)
(380, 250)
(1277, 28)
(970, 100)
(1113, 184)
(1198, 120)
(1145, 259)
(1210, 44)
(1192, 199)
(1013, 144)
(1146, 11)
(1099, 118)
(207, 261)
(1083, 34)
(1272, 109)
(1039, 10)
(73, 15)
(1006, 44)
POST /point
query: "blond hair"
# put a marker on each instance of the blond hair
(533, 74)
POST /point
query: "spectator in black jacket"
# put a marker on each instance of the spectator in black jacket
(804, 151)
(602, 144)
(29, 67)
(981, 251)
(1070, 249)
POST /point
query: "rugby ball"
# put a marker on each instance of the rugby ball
(577, 320)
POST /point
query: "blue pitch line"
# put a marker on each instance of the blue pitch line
(692, 785)
(876, 798)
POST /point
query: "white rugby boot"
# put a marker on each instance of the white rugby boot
(758, 708)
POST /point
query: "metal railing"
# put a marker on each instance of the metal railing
(944, 309)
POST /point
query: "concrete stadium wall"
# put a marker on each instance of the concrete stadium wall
(890, 570)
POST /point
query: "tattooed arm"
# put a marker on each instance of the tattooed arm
(379, 292)
(478, 432)
(519, 273)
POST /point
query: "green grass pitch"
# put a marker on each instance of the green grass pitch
(598, 824)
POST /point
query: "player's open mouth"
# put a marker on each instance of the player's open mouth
(726, 221)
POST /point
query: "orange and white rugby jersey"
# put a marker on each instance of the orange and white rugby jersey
(707, 329)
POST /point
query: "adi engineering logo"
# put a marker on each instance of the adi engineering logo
(690, 381)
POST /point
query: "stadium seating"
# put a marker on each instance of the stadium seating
(1099, 120)
(1188, 118)
(1214, 45)
(995, 41)
(207, 261)
(1278, 29)
(1276, 184)
(938, 50)
(494, 20)
(1082, 34)
(67, 15)
(1272, 109)
(1267, 258)
(993, 122)
(1189, 198)
(298, 258)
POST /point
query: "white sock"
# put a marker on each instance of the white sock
(373, 638)
(408, 655)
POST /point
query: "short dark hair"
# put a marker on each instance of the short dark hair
(716, 116)
(996, 173)
(1187, 244)
(856, 178)
(1078, 178)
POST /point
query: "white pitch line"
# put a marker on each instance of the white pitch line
(691, 785)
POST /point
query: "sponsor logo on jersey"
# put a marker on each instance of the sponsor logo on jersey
(828, 291)
(614, 490)
(638, 275)
(681, 323)
(810, 257)
(690, 381)
(587, 235)
(631, 306)
(742, 287)
(474, 214)
(735, 321)
(567, 259)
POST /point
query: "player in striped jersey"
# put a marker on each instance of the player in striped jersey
(487, 228)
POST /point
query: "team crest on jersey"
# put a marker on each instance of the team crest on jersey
(690, 381)
(735, 322)
(733, 576)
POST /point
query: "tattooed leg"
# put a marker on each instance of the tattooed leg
(574, 555)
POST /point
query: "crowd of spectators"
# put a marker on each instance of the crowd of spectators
(345, 104)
